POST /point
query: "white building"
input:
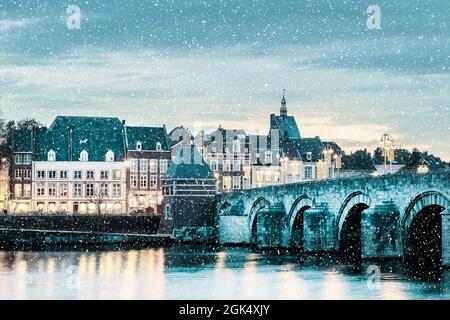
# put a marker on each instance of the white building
(79, 187)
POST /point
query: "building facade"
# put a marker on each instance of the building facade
(189, 189)
(148, 157)
(79, 167)
(4, 183)
(87, 165)
(22, 147)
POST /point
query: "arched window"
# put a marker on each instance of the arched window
(109, 156)
(51, 155)
(84, 156)
(158, 146)
(139, 145)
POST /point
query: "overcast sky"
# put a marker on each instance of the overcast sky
(205, 63)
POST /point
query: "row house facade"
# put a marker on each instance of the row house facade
(19, 197)
(83, 165)
(148, 157)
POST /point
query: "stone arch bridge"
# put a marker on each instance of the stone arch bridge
(371, 217)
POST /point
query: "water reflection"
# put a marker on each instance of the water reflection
(203, 273)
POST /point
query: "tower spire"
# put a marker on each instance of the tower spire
(283, 109)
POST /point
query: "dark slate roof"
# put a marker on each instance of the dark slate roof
(81, 122)
(96, 135)
(189, 164)
(22, 141)
(149, 137)
(287, 126)
(298, 149)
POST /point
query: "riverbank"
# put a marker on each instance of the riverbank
(77, 231)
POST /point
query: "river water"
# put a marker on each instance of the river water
(189, 272)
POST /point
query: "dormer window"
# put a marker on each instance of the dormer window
(158, 146)
(139, 146)
(51, 155)
(84, 156)
(309, 156)
(109, 156)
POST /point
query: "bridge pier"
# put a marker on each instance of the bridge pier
(319, 229)
(381, 235)
(270, 227)
(445, 215)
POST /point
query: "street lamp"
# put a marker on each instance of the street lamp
(387, 143)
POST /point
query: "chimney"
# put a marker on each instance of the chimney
(125, 138)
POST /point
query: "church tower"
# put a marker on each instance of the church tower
(283, 109)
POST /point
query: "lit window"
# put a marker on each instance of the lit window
(104, 190)
(214, 165)
(51, 155)
(109, 156)
(134, 165)
(116, 190)
(18, 190)
(117, 174)
(84, 156)
(143, 181)
(236, 182)
(18, 174)
(308, 172)
(163, 165)
(143, 165)
(18, 159)
(153, 182)
(236, 165)
(52, 189)
(153, 165)
(26, 158)
(226, 165)
(40, 190)
(27, 190)
(27, 174)
(133, 181)
(77, 187)
(226, 183)
(63, 190)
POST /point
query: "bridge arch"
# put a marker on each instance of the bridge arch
(258, 204)
(419, 202)
(349, 225)
(422, 234)
(295, 216)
